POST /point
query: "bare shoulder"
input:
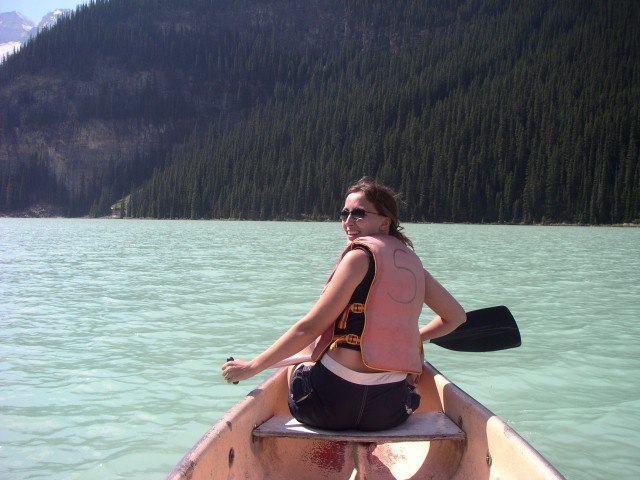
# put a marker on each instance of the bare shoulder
(356, 258)
(355, 263)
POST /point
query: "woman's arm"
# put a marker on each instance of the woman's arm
(449, 313)
(350, 272)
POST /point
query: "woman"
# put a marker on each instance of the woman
(363, 331)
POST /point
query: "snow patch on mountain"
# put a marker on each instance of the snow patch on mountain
(8, 48)
(16, 29)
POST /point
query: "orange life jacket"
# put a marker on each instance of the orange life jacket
(391, 338)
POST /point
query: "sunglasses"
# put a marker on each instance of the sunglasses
(356, 213)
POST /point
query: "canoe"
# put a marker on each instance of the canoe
(451, 436)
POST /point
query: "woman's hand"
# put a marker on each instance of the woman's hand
(234, 371)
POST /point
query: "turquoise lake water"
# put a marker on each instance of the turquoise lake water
(112, 333)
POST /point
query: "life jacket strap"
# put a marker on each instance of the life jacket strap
(351, 339)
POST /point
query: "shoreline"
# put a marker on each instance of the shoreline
(42, 211)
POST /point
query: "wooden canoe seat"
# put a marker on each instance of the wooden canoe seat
(418, 427)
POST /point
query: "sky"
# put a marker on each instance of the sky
(36, 9)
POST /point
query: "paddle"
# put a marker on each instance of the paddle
(486, 330)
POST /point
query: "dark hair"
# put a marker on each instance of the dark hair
(385, 201)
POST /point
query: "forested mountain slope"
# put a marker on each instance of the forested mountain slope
(480, 111)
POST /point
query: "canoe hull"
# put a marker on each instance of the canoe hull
(491, 449)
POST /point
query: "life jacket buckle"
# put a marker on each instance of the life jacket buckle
(357, 307)
(352, 339)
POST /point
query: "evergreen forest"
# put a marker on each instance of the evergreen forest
(474, 110)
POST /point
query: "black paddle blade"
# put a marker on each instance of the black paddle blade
(486, 330)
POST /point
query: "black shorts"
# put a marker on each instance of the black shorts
(320, 398)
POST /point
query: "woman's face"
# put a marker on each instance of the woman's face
(369, 224)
